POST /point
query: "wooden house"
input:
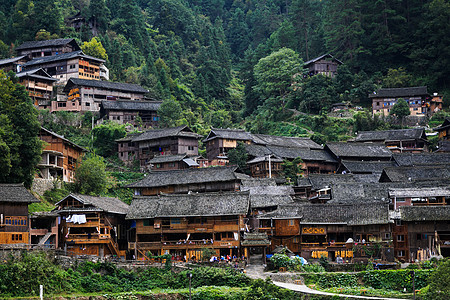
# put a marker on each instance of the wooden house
(422, 231)
(435, 103)
(398, 141)
(444, 136)
(129, 111)
(68, 65)
(266, 166)
(13, 64)
(89, 94)
(315, 230)
(417, 98)
(93, 225)
(167, 141)
(34, 49)
(358, 152)
(59, 157)
(219, 141)
(325, 65)
(44, 229)
(14, 219)
(172, 162)
(187, 180)
(127, 150)
(39, 85)
(184, 224)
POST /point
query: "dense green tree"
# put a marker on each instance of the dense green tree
(94, 48)
(91, 177)
(292, 169)
(105, 136)
(19, 128)
(397, 78)
(400, 109)
(99, 14)
(439, 287)
(239, 157)
(169, 113)
(275, 73)
(316, 94)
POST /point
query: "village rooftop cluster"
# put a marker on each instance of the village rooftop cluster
(382, 188)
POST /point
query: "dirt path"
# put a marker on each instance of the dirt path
(255, 270)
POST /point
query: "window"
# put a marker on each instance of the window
(400, 238)
(87, 104)
(398, 222)
(415, 108)
(62, 104)
(419, 237)
(148, 222)
(400, 253)
(291, 223)
(191, 148)
(175, 221)
(400, 199)
(158, 166)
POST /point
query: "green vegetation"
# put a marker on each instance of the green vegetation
(91, 177)
(20, 146)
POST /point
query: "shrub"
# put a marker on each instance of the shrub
(280, 260)
(314, 268)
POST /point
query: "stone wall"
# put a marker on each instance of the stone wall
(41, 185)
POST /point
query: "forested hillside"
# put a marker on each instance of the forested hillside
(237, 63)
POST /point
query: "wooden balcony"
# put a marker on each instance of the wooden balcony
(194, 244)
(85, 238)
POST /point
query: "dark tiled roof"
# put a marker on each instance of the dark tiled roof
(190, 205)
(10, 60)
(167, 158)
(367, 166)
(233, 134)
(128, 138)
(46, 43)
(107, 204)
(320, 181)
(444, 125)
(359, 150)
(321, 57)
(414, 159)
(416, 192)
(267, 195)
(187, 176)
(425, 213)
(443, 146)
(255, 239)
(181, 131)
(107, 85)
(36, 73)
(64, 56)
(416, 173)
(131, 105)
(391, 135)
(273, 159)
(257, 182)
(305, 154)
(16, 193)
(296, 142)
(351, 214)
(63, 138)
(400, 92)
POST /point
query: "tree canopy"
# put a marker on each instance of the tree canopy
(19, 127)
